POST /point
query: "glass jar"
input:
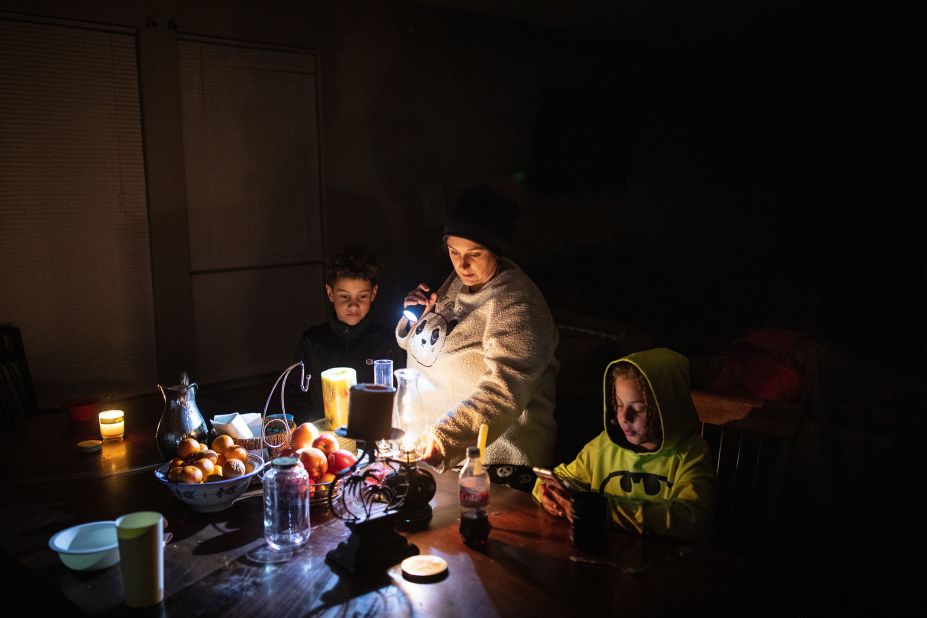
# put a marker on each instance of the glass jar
(286, 505)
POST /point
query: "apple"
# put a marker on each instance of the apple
(303, 436)
(314, 461)
(327, 443)
(340, 459)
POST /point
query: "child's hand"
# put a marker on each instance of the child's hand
(556, 500)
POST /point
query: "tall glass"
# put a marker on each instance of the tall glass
(383, 376)
(383, 372)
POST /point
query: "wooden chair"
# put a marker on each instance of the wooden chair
(17, 395)
(750, 442)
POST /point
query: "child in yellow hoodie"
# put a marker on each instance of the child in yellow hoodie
(651, 463)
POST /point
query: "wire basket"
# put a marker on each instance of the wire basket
(276, 429)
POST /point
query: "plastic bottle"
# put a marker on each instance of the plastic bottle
(286, 504)
(473, 489)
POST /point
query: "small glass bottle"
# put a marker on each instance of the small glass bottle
(286, 505)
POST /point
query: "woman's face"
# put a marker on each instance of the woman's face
(632, 413)
(474, 264)
(351, 299)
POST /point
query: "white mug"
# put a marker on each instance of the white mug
(141, 557)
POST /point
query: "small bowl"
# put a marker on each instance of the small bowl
(213, 496)
(87, 547)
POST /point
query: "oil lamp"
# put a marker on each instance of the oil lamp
(382, 491)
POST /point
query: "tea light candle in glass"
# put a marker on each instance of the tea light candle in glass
(112, 424)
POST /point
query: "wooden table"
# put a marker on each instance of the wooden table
(529, 567)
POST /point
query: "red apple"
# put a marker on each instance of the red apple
(314, 461)
(327, 443)
(340, 459)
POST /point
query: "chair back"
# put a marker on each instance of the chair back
(750, 442)
(17, 395)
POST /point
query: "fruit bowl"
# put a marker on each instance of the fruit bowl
(319, 492)
(213, 496)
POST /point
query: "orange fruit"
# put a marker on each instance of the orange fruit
(222, 442)
(205, 464)
(212, 478)
(187, 447)
(211, 454)
(233, 468)
(174, 475)
(236, 452)
(191, 474)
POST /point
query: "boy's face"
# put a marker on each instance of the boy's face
(351, 299)
(632, 413)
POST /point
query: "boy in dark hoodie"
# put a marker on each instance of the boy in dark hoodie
(349, 338)
(650, 462)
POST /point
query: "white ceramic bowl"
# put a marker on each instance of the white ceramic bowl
(213, 496)
(87, 546)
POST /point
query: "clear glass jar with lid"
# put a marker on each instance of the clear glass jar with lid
(286, 505)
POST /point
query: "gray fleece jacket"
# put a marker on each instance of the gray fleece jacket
(488, 357)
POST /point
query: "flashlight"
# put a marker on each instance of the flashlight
(413, 312)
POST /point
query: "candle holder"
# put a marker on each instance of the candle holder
(112, 424)
(379, 493)
(376, 500)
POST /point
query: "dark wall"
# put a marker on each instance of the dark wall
(722, 172)
(766, 181)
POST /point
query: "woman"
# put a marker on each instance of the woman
(484, 347)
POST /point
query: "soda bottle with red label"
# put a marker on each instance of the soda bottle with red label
(473, 489)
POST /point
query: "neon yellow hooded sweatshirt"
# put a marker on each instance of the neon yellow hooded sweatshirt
(668, 491)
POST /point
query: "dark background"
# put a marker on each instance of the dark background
(693, 170)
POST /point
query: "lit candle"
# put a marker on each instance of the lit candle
(112, 424)
(336, 388)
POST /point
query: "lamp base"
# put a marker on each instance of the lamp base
(416, 511)
(373, 543)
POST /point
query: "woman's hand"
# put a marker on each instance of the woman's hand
(433, 453)
(422, 295)
(556, 500)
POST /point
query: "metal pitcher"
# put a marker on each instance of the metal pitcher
(180, 419)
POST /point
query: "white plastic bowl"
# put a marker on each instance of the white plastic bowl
(88, 546)
(215, 495)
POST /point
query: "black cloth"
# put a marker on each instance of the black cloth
(516, 477)
(336, 344)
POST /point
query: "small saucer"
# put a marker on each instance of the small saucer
(424, 568)
(89, 446)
